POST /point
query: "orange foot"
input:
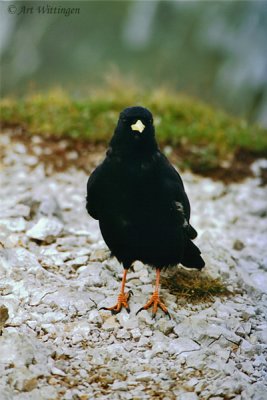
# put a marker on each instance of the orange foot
(122, 302)
(155, 301)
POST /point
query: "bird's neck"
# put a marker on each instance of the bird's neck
(140, 151)
(133, 148)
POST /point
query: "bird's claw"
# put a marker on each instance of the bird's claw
(165, 312)
(169, 315)
(155, 302)
(140, 309)
(113, 312)
(122, 302)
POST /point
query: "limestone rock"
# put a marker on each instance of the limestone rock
(182, 345)
(110, 324)
(46, 229)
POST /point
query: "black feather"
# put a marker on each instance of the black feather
(139, 199)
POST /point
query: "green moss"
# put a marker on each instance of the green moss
(209, 135)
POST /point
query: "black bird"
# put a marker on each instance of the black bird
(140, 202)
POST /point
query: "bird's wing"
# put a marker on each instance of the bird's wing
(94, 191)
(175, 188)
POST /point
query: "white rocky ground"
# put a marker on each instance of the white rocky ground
(55, 274)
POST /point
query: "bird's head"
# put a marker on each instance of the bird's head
(135, 129)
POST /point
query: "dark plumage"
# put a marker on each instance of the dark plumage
(140, 202)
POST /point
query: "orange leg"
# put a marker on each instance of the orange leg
(155, 300)
(122, 298)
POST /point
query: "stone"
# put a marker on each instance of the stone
(68, 299)
(57, 344)
(238, 245)
(259, 281)
(247, 348)
(255, 391)
(136, 334)
(19, 148)
(259, 360)
(159, 347)
(128, 321)
(119, 386)
(143, 377)
(46, 229)
(54, 257)
(22, 259)
(82, 328)
(29, 384)
(165, 325)
(57, 371)
(100, 255)
(247, 367)
(188, 396)
(22, 350)
(17, 210)
(196, 359)
(262, 336)
(194, 326)
(95, 317)
(192, 382)
(13, 224)
(182, 345)
(53, 316)
(91, 273)
(46, 205)
(123, 334)
(110, 324)
(143, 342)
(244, 329)
(78, 262)
(147, 332)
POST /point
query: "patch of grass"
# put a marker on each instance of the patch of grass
(206, 135)
(194, 286)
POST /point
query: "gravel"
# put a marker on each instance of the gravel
(56, 273)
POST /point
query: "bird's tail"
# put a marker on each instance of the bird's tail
(192, 257)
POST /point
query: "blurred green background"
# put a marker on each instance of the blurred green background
(214, 50)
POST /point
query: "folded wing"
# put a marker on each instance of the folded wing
(177, 195)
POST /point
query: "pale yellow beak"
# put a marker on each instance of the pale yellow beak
(138, 126)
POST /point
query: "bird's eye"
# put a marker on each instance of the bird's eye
(124, 119)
